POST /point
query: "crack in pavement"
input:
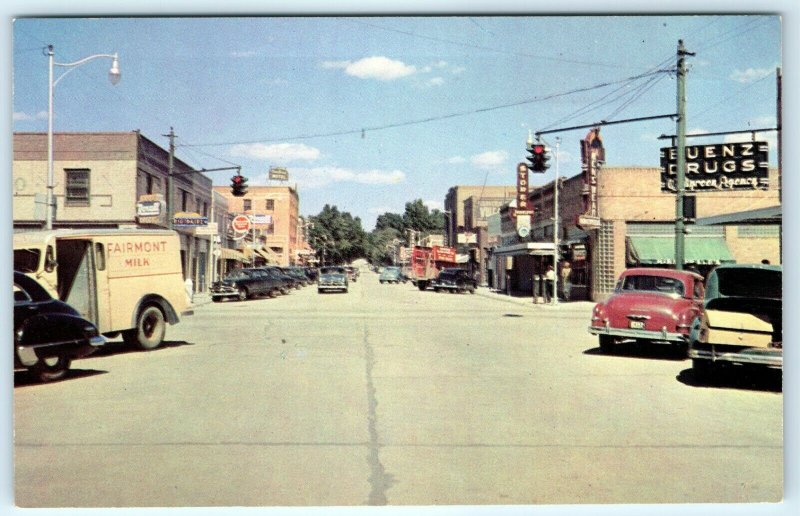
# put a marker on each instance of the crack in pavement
(379, 480)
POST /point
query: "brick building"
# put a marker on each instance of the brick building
(636, 229)
(101, 179)
(275, 210)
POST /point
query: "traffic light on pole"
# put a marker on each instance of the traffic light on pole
(238, 185)
(538, 158)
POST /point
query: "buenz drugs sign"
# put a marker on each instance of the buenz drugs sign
(718, 167)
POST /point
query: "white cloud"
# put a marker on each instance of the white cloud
(318, 177)
(436, 81)
(434, 205)
(457, 70)
(751, 74)
(21, 116)
(455, 160)
(490, 159)
(377, 67)
(278, 152)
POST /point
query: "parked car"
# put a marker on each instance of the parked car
(283, 281)
(242, 284)
(48, 333)
(332, 278)
(311, 273)
(742, 319)
(390, 275)
(649, 305)
(299, 279)
(454, 280)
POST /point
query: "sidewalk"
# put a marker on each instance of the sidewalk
(527, 300)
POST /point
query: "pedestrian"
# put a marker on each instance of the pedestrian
(549, 283)
(566, 285)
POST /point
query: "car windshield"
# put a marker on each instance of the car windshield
(332, 270)
(660, 284)
(758, 283)
(237, 275)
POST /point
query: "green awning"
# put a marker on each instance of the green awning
(660, 250)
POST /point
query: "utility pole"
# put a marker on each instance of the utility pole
(170, 172)
(680, 180)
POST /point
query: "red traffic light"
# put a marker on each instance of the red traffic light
(538, 149)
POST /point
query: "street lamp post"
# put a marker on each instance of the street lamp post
(114, 76)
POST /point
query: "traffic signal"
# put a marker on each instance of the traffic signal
(238, 185)
(538, 158)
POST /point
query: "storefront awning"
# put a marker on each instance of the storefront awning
(660, 250)
(267, 255)
(526, 249)
(231, 254)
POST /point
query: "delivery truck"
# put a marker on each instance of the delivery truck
(127, 282)
(427, 262)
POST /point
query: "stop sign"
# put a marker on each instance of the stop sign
(241, 223)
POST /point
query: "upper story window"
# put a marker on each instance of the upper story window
(248, 204)
(270, 204)
(184, 200)
(77, 187)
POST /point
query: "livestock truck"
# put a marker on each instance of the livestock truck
(427, 262)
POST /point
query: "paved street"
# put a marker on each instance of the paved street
(388, 395)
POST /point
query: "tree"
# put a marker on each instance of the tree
(338, 237)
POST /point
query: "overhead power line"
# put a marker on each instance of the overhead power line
(395, 125)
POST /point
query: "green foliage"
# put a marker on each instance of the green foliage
(338, 237)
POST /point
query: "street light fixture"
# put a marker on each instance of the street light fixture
(114, 76)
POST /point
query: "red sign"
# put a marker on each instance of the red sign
(592, 156)
(444, 254)
(241, 223)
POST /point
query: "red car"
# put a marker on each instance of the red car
(654, 305)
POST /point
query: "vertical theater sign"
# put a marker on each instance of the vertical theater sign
(593, 155)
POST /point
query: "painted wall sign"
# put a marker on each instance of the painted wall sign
(718, 167)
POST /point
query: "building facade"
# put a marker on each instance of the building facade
(636, 228)
(114, 180)
(277, 226)
(467, 210)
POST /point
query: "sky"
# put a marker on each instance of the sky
(368, 113)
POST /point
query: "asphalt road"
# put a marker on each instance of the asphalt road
(391, 396)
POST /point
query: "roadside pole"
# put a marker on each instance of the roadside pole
(680, 180)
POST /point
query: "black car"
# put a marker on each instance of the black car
(284, 281)
(48, 333)
(454, 280)
(242, 284)
(300, 277)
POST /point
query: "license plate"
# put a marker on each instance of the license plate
(636, 325)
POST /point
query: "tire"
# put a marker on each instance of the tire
(216, 299)
(242, 294)
(422, 285)
(273, 293)
(703, 369)
(471, 289)
(606, 344)
(150, 329)
(381, 282)
(50, 369)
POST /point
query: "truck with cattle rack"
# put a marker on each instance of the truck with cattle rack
(428, 262)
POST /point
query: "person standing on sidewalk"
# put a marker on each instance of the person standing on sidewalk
(549, 283)
(566, 270)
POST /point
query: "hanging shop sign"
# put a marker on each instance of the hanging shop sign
(256, 218)
(278, 174)
(522, 189)
(150, 209)
(241, 223)
(718, 167)
(193, 220)
(593, 155)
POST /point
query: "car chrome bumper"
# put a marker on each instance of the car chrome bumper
(756, 356)
(630, 333)
(28, 355)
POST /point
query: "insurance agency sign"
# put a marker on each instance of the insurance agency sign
(718, 167)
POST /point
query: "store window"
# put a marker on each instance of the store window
(77, 182)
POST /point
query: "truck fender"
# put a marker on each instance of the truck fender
(154, 299)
